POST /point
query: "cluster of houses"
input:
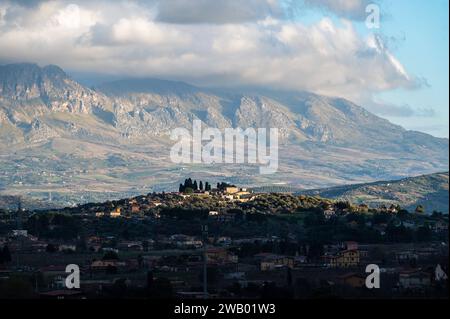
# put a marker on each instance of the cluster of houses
(227, 193)
(136, 206)
(344, 262)
(128, 208)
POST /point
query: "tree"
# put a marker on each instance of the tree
(315, 250)
(161, 288)
(424, 234)
(5, 255)
(200, 186)
(111, 255)
(289, 277)
(119, 288)
(51, 248)
(420, 209)
(181, 188)
(16, 288)
(150, 279)
(81, 245)
(111, 270)
(195, 186)
(140, 261)
(213, 275)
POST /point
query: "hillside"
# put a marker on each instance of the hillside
(431, 191)
(70, 143)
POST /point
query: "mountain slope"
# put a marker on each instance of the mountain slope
(431, 191)
(60, 137)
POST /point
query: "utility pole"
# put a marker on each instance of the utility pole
(205, 261)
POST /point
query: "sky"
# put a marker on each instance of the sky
(398, 70)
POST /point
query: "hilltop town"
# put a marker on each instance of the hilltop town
(253, 245)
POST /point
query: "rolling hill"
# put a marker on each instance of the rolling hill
(431, 191)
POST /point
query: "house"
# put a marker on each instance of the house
(102, 265)
(39, 246)
(234, 193)
(222, 217)
(115, 213)
(392, 209)
(353, 280)
(20, 233)
(224, 241)
(231, 190)
(53, 270)
(235, 275)
(351, 245)
(156, 204)
(184, 241)
(363, 208)
(55, 275)
(272, 261)
(300, 260)
(405, 256)
(110, 249)
(414, 279)
(440, 226)
(135, 208)
(220, 256)
(151, 261)
(67, 247)
(343, 259)
(408, 224)
(328, 213)
(130, 246)
(426, 252)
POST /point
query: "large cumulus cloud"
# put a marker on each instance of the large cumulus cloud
(157, 39)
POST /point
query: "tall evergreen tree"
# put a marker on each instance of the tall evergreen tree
(200, 186)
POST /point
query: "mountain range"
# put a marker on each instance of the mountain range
(64, 142)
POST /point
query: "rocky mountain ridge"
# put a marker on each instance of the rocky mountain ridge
(114, 137)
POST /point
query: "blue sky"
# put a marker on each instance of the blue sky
(399, 72)
(417, 33)
(423, 27)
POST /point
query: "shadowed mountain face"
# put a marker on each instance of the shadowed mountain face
(78, 144)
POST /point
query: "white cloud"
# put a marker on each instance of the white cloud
(216, 12)
(140, 31)
(350, 9)
(128, 38)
